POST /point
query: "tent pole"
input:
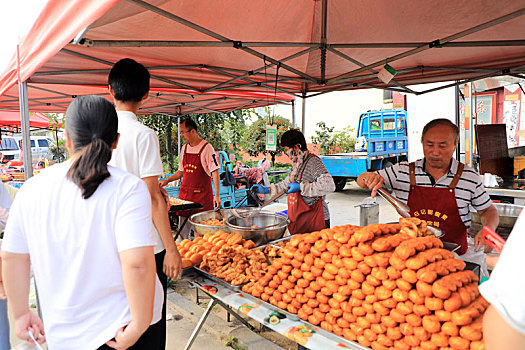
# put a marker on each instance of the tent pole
(471, 122)
(304, 109)
(178, 136)
(456, 110)
(24, 122)
(293, 114)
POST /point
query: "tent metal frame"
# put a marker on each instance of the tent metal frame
(364, 76)
(350, 79)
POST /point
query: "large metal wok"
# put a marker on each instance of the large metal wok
(261, 228)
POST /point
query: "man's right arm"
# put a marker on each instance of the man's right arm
(173, 177)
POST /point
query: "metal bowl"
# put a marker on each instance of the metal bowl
(508, 214)
(201, 229)
(269, 227)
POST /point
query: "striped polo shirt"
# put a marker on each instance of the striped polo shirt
(469, 190)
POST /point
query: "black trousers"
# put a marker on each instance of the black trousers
(327, 223)
(155, 336)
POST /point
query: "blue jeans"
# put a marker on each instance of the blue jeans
(4, 326)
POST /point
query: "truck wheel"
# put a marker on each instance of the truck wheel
(340, 183)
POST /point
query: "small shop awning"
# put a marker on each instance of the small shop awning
(12, 119)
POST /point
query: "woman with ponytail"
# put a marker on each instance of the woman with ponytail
(85, 228)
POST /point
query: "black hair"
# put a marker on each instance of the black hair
(293, 137)
(129, 80)
(91, 125)
(438, 122)
(189, 124)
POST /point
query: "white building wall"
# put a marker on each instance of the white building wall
(423, 108)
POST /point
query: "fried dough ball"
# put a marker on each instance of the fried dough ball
(409, 247)
(444, 287)
(428, 256)
(430, 272)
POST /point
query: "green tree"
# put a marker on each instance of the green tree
(255, 140)
(224, 131)
(59, 151)
(344, 140)
(323, 138)
(164, 126)
(330, 141)
(56, 123)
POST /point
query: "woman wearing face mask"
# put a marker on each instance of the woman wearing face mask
(306, 185)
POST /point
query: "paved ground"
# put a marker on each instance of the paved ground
(217, 331)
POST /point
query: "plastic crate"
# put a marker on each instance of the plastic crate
(227, 202)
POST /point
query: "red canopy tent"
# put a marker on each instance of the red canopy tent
(304, 48)
(307, 46)
(12, 119)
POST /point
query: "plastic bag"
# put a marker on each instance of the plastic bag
(475, 254)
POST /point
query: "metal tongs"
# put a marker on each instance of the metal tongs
(240, 213)
(403, 210)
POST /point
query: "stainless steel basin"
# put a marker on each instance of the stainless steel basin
(508, 214)
(201, 229)
(260, 228)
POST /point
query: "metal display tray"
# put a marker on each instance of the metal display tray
(187, 271)
(289, 315)
(452, 247)
(336, 338)
(218, 280)
(318, 329)
(273, 243)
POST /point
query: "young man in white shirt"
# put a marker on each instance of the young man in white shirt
(138, 152)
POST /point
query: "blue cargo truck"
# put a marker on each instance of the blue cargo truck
(381, 142)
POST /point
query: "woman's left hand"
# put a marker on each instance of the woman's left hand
(30, 322)
(294, 187)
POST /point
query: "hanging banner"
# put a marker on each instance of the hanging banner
(511, 114)
(271, 137)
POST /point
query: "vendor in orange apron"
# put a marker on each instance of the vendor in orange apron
(196, 183)
(438, 207)
(306, 185)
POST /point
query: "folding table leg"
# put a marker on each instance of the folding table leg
(183, 224)
(200, 323)
(234, 314)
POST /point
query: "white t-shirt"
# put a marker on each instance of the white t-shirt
(74, 247)
(209, 159)
(505, 289)
(138, 152)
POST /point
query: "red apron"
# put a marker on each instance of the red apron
(196, 183)
(439, 208)
(304, 219)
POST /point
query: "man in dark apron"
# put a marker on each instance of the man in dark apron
(438, 189)
(197, 167)
(306, 185)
